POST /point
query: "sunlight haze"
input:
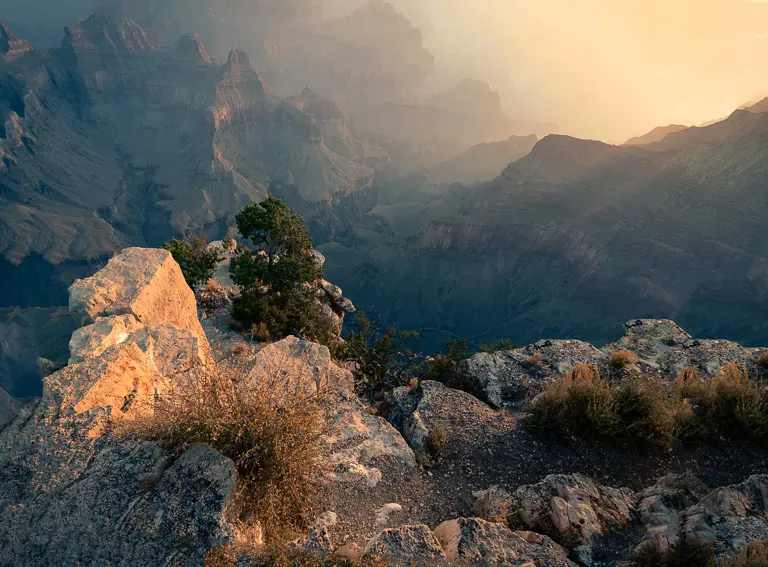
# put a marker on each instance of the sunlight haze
(606, 69)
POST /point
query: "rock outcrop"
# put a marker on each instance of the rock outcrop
(405, 542)
(474, 541)
(678, 510)
(147, 284)
(509, 378)
(571, 508)
(94, 497)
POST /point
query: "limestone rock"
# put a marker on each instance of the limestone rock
(132, 505)
(92, 340)
(730, 517)
(572, 508)
(300, 365)
(317, 542)
(360, 441)
(384, 513)
(508, 378)
(493, 505)
(477, 542)
(419, 410)
(145, 283)
(121, 381)
(357, 439)
(405, 542)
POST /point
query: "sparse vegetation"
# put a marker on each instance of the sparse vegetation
(754, 555)
(286, 557)
(731, 404)
(584, 404)
(273, 438)
(640, 409)
(277, 275)
(197, 263)
(444, 367)
(503, 344)
(436, 440)
(381, 358)
(684, 555)
(621, 359)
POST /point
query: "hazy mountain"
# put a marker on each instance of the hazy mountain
(575, 237)
(448, 122)
(482, 162)
(655, 135)
(371, 56)
(42, 21)
(112, 140)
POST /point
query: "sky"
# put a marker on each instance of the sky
(604, 69)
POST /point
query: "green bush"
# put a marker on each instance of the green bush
(381, 359)
(197, 263)
(277, 275)
(444, 367)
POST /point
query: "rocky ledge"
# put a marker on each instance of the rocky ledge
(73, 493)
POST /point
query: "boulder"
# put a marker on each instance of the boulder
(417, 411)
(415, 542)
(92, 340)
(571, 508)
(121, 382)
(730, 517)
(299, 365)
(476, 542)
(660, 508)
(357, 441)
(651, 340)
(145, 283)
(493, 505)
(509, 378)
(708, 356)
(74, 494)
(361, 442)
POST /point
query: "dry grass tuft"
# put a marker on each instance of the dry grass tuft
(584, 404)
(621, 359)
(271, 427)
(286, 557)
(684, 555)
(754, 555)
(436, 440)
(730, 404)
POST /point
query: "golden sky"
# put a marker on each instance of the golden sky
(606, 69)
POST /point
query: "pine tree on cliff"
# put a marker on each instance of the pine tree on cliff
(277, 274)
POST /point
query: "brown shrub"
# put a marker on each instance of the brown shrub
(684, 555)
(436, 441)
(621, 359)
(730, 404)
(285, 557)
(583, 404)
(754, 555)
(270, 427)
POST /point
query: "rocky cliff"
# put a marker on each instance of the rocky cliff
(576, 236)
(74, 492)
(114, 140)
